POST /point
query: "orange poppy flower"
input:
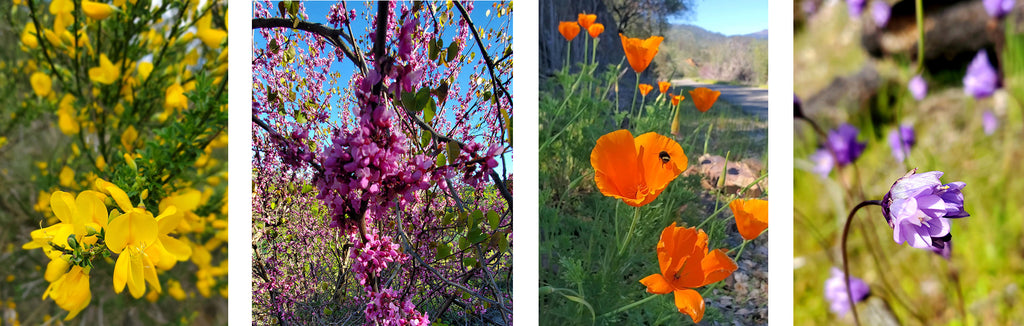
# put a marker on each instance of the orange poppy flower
(751, 216)
(569, 30)
(644, 89)
(687, 264)
(636, 170)
(640, 52)
(586, 20)
(595, 29)
(704, 98)
(663, 86)
(676, 99)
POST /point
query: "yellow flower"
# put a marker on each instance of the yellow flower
(61, 6)
(67, 120)
(128, 138)
(174, 289)
(41, 84)
(175, 98)
(71, 291)
(76, 215)
(97, 10)
(107, 73)
(67, 177)
(29, 37)
(144, 69)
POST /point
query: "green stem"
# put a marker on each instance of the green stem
(643, 98)
(629, 306)
(743, 245)
(920, 35)
(633, 102)
(568, 56)
(629, 235)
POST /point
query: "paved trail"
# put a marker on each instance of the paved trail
(752, 100)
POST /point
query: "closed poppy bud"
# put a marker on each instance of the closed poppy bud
(586, 20)
(644, 89)
(704, 98)
(569, 30)
(595, 29)
(751, 216)
(639, 52)
(663, 86)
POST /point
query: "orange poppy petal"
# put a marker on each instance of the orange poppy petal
(658, 173)
(615, 166)
(595, 29)
(663, 86)
(657, 284)
(717, 266)
(644, 89)
(691, 303)
(586, 20)
(704, 98)
(751, 216)
(569, 30)
(639, 52)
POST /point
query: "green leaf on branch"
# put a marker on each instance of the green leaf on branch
(453, 151)
(453, 51)
(493, 220)
(429, 111)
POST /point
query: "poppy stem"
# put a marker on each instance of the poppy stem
(629, 235)
(738, 253)
(643, 98)
(629, 306)
(846, 264)
(632, 103)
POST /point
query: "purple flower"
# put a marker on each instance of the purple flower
(880, 11)
(902, 140)
(855, 7)
(989, 122)
(981, 79)
(998, 8)
(809, 7)
(823, 162)
(918, 208)
(835, 292)
(843, 142)
(918, 87)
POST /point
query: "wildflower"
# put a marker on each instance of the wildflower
(981, 79)
(918, 87)
(998, 8)
(686, 264)
(855, 7)
(843, 142)
(586, 20)
(29, 36)
(636, 170)
(835, 292)
(918, 208)
(128, 138)
(569, 30)
(71, 291)
(41, 84)
(145, 68)
(595, 30)
(175, 98)
(132, 234)
(704, 98)
(901, 140)
(663, 86)
(212, 37)
(645, 88)
(751, 216)
(639, 52)
(880, 11)
(97, 10)
(989, 122)
(677, 98)
(107, 73)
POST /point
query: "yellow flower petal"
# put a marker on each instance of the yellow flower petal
(120, 197)
(63, 205)
(96, 10)
(128, 138)
(107, 73)
(41, 84)
(135, 228)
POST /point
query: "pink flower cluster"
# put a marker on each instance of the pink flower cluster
(381, 308)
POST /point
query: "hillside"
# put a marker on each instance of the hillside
(741, 58)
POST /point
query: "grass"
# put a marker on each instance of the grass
(582, 278)
(918, 287)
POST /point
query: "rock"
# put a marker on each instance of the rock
(738, 175)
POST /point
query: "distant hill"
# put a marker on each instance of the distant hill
(737, 58)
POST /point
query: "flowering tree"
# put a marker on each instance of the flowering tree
(378, 193)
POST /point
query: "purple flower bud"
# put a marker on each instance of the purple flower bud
(835, 292)
(901, 140)
(844, 142)
(981, 79)
(855, 7)
(880, 11)
(918, 208)
(998, 8)
(946, 251)
(918, 87)
(989, 122)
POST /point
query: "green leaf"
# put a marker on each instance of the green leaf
(469, 262)
(306, 188)
(433, 50)
(440, 159)
(493, 220)
(409, 101)
(422, 96)
(453, 51)
(508, 124)
(502, 243)
(274, 46)
(442, 91)
(447, 219)
(475, 218)
(453, 150)
(429, 111)
(425, 138)
(443, 251)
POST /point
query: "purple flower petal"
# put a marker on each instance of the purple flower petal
(835, 291)
(981, 79)
(855, 7)
(918, 206)
(880, 11)
(901, 140)
(989, 122)
(918, 87)
(998, 8)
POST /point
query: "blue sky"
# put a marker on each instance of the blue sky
(729, 17)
